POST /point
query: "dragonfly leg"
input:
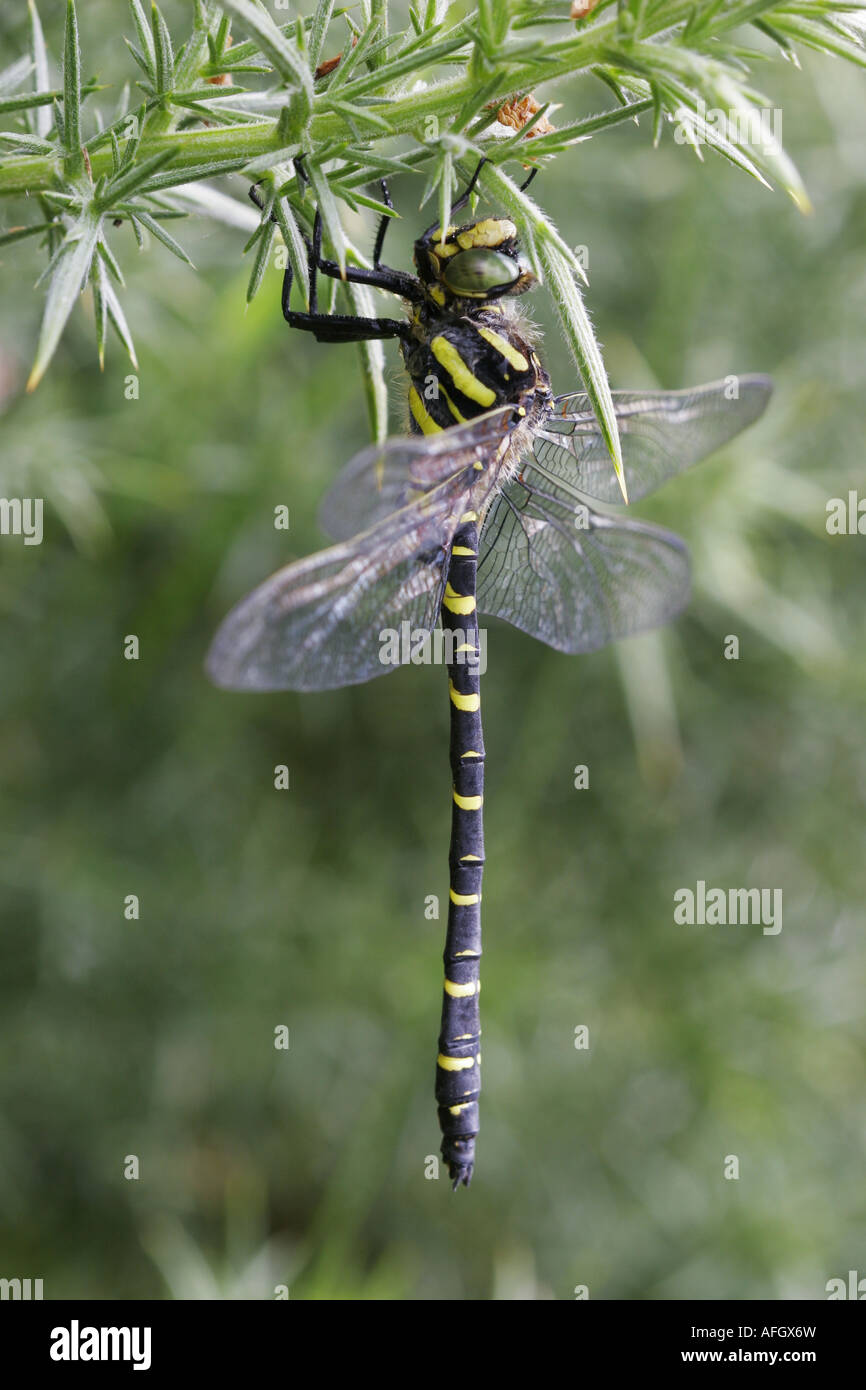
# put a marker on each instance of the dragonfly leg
(342, 328)
(332, 328)
(383, 228)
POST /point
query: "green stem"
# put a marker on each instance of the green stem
(405, 113)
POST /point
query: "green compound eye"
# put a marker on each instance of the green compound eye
(477, 273)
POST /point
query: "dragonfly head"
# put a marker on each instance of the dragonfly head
(479, 262)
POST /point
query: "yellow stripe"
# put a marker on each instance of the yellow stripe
(468, 803)
(448, 357)
(461, 419)
(455, 1063)
(463, 899)
(458, 603)
(466, 647)
(422, 416)
(469, 516)
(511, 354)
(469, 953)
(459, 991)
(468, 703)
(462, 550)
(458, 1109)
(465, 857)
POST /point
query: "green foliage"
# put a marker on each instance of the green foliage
(388, 90)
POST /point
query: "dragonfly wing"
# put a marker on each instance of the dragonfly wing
(576, 586)
(662, 434)
(316, 624)
(386, 477)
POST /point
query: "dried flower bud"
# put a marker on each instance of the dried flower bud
(518, 113)
(330, 63)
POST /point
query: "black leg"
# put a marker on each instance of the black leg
(383, 227)
(346, 328)
(342, 328)
(335, 328)
(384, 278)
(470, 187)
(313, 258)
(461, 201)
(527, 182)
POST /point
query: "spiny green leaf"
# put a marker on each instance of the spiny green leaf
(19, 233)
(104, 251)
(100, 309)
(135, 176)
(361, 114)
(769, 156)
(30, 144)
(294, 244)
(578, 332)
(533, 221)
(72, 91)
(27, 101)
(286, 60)
(319, 31)
(39, 55)
(435, 12)
(356, 200)
(559, 265)
(267, 232)
(69, 275)
(330, 216)
(821, 37)
(118, 319)
(372, 365)
(168, 178)
(164, 57)
(582, 130)
(142, 62)
(145, 39)
(130, 148)
(445, 186)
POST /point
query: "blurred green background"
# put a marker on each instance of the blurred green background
(306, 908)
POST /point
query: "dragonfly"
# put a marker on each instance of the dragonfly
(489, 506)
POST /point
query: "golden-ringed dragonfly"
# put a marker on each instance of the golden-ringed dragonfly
(483, 508)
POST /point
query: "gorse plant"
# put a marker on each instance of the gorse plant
(250, 89)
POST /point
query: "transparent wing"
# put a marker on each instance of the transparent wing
(316, 624)
(385, 477)
(573, 578)
(662, 432)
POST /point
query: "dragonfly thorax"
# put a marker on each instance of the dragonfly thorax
(463, 366)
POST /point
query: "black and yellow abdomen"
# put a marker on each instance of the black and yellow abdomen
(462, 366)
